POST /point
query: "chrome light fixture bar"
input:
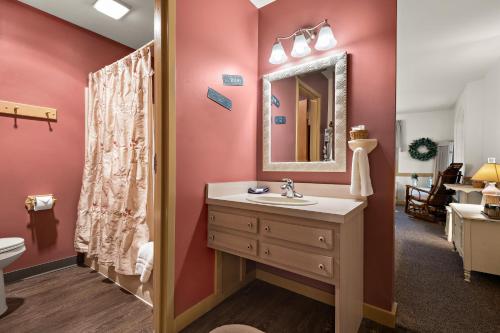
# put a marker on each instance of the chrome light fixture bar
(301, 39)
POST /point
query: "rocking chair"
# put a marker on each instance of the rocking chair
(431, 205)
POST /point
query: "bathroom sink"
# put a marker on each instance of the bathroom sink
(279, 200)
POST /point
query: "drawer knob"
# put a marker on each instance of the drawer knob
(266, 252)
(212, 218)
(267, 228)
(321, 239)
(250, 225)
(249, 246)
(212, 237)
(321, 266)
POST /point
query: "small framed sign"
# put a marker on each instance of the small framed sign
(275, 101)
(280, 120)
(232, 80)
(219, 99)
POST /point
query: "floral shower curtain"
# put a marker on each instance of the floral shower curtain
(112, 212)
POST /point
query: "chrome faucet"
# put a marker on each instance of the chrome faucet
(288, 189)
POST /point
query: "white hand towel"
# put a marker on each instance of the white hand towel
(361, 183)
(144, 264)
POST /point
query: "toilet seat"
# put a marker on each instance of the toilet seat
(10, 244)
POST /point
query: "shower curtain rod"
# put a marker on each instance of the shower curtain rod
(149, 44)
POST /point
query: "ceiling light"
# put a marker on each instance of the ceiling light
(111, 8)
(302, 37)
(300, 47)
(278, 55)
(326, 39)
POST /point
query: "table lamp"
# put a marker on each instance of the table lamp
(489, 173)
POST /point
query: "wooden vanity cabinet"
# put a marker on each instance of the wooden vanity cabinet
(326, 251)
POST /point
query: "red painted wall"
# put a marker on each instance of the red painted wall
(366, 29)
(44, 61)
(213, 144)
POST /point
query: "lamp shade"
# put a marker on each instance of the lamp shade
(300, 47)
(278, 55)
(326, 39)
(489, 172)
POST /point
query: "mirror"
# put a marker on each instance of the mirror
(305, 116)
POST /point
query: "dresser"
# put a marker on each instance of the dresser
(476, 238)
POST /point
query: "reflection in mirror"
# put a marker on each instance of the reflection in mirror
(303, 130)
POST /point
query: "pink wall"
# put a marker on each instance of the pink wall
(213, 144)
(44, 61)
(366, 29)
(283, 136)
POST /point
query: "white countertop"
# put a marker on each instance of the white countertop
(471, 212)
(327, 209)
(463, 188)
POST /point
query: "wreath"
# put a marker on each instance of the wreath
(429, 151)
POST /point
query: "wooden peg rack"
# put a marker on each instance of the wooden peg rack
(25, 110)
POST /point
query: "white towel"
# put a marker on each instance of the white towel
(144, 264)
(361, 184)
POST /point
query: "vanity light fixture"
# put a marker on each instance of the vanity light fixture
(112, 8)
(278, 55)
(300, 46)
(301, 39)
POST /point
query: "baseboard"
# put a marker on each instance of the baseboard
(381, 316)
(196, 311)
(371, 312)
(39, 269)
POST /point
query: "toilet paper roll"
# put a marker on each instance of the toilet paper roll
(43, 202)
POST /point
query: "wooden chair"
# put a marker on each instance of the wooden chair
(431, 205)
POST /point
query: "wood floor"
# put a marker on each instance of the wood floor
(75, 299)
(273, 310)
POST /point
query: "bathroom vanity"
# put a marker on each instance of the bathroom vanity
(319, 236)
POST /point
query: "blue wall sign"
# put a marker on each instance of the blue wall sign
(280, 120)
(219, 99)
(275, 101)
(232, 80)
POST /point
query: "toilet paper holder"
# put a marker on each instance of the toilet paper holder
(29, 203)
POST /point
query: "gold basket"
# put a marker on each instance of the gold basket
(359, 134)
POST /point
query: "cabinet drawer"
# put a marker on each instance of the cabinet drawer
(322, 238)
(232, 221)
(309, 262)
(222, 241)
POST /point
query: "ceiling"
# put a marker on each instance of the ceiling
(261, 3)
(443, 45)
(133, 30)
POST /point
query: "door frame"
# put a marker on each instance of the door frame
(314, 134)
(165, 160)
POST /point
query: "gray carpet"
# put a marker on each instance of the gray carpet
(430, 290)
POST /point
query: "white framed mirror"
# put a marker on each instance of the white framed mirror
(305, 116)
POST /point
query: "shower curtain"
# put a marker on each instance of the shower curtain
(113, 206)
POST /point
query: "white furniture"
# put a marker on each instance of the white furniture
(477, 239)
(10, 250)
(323, 241)
(465, 191)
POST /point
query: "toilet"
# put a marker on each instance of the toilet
(10, 249)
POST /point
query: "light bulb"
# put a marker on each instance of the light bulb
(278, 55)
(300, 47)
(326, 39)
